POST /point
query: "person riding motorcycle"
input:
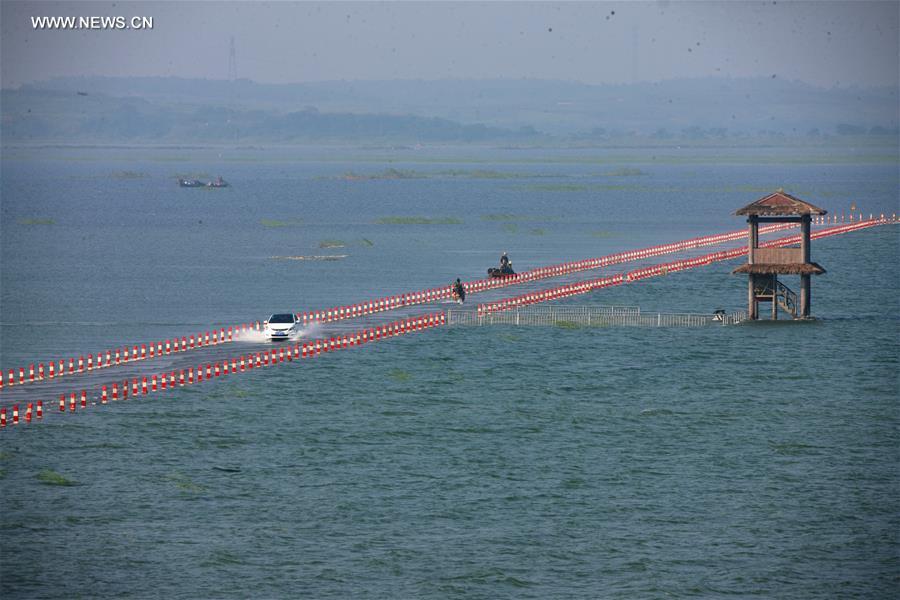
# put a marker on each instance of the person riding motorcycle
(505, 265)
(459, 290)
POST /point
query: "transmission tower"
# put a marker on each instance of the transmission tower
(232, 61)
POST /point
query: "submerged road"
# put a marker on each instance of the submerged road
(348, 328)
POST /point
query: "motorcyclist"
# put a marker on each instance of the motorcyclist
(504, 261)
(459, 290)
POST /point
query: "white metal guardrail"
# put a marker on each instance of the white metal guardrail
(591, 316)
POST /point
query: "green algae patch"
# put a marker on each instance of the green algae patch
(626, 172)
(510, 228)
(483, 174)
(277, 223)
(508, 217)
(129, 175)
(418, 221)
(400, 375)
(183, 483)
(602, 234)
(332, 244)
(36, 221)
(536, 231)
(48, 477)
(367, 242)
(556, 187)
(567, 325)
(500, 217)
(386, 174)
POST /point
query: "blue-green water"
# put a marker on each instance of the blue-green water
(462, 462)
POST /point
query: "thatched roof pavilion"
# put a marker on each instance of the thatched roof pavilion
(765, 264)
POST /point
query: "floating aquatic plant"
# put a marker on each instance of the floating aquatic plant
(418, 221)
(49, 477)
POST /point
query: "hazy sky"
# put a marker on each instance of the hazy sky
(824, 43)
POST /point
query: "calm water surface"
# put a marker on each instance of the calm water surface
(463, 463)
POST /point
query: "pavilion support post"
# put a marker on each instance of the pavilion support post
(805, 299)
(804, 237)
(774, 297)
(752, 238)
(752, 304)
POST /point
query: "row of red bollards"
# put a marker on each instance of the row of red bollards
(835, 219)
(125, 355)
(584, 287)
(431, 295)
(121, 356)
(29, 410)
(169, 380)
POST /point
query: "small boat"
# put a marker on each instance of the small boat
(218, 182)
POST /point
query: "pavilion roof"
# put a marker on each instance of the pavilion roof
(781, 269)
(780, 204)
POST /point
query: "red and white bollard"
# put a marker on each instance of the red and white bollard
(154, 383)
(62, 403)
(83, 398)
(115, 391)
(28, 410)
(144, 386)
(3, 416)
(72, 402)
(103, 395)
(39, 410)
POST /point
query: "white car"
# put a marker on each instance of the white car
(282, 326)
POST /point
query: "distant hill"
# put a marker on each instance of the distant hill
(35, 115)
(171, 108)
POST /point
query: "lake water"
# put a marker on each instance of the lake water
(492, 462)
